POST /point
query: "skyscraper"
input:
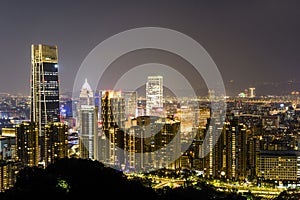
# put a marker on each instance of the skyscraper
(87, 123)
(44, 90)
(113, 124)
(86, 96)
(154, 94)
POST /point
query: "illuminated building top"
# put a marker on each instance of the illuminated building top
(44, 53)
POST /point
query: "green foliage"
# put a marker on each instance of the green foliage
(63, 184)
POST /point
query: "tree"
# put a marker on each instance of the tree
(70, 178)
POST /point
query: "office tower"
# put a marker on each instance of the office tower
(86, 96)
(44, 85)
(154, 95)
(113, 124)
(44, 90)
(87, 123)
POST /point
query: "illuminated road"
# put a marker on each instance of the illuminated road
(163, 182)
(265, 193)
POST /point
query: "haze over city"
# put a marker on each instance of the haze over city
(155, 99)
(253, 43)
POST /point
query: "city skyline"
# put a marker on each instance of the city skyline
(237, 143)
(254, 44)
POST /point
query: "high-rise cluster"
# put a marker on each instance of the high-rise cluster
(119, 136)
(41, 139)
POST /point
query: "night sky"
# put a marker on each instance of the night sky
(254, 43)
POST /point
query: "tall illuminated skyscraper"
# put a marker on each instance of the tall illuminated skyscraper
(154, 94)
(44, 90)
(87, 123)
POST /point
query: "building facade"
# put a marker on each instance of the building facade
(56, 140)
(113, 124)
(154, 95)
(151, 143)
(44, 90)
(87, 123)
(278, 167)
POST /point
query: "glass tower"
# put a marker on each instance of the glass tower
(44, 89)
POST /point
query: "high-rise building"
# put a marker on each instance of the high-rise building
(88, 132)
(236, 149)
(151, 143)
(130, 98)
(27, 143)
(87, 122)
(227, 154)
(113, 124)
(44, 90)
(56, 136)
(86, 96)
(154, 95)
(8, 175)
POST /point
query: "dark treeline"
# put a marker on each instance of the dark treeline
(73, 178)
